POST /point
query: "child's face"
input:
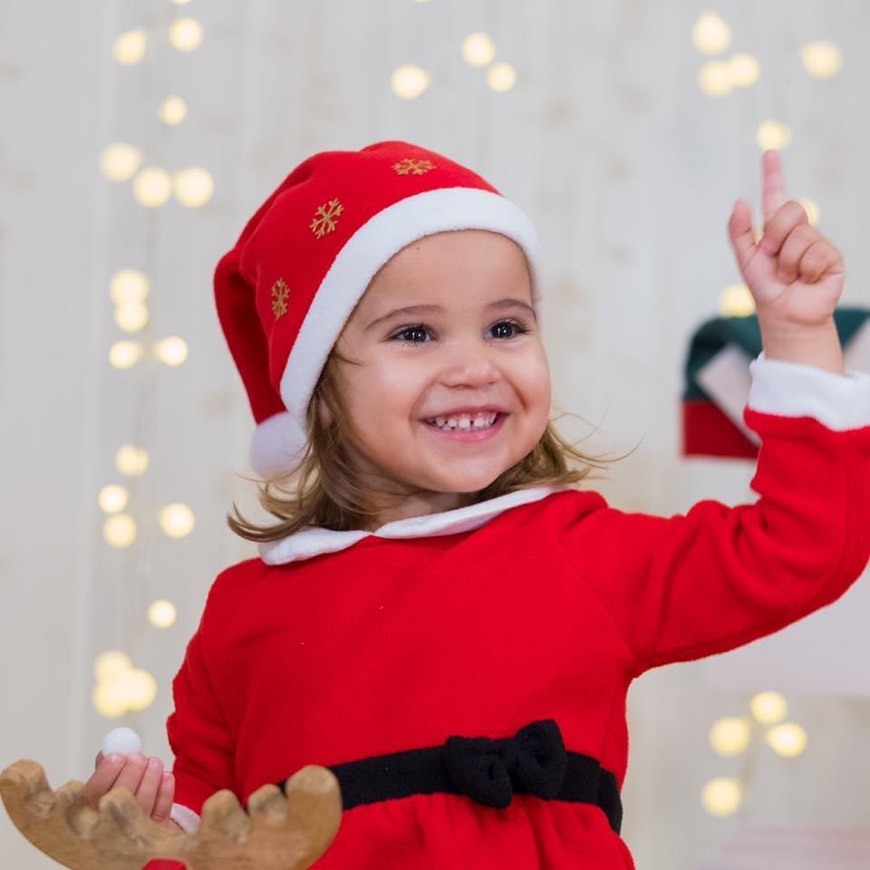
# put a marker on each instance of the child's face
(449, 384)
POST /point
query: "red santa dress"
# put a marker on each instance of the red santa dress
(543, 605)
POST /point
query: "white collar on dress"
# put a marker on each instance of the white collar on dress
(315, 541)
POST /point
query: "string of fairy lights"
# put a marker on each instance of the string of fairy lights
(742, 737)
(120, 686)
(410, 81)
(718, 77)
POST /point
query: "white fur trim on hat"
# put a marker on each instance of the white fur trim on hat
(370, 247)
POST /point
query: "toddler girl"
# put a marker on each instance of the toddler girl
(439, 613)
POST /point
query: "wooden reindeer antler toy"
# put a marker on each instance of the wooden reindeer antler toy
(279, 832)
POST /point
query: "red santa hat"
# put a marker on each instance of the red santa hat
(305, 258)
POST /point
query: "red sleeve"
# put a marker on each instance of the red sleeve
(198, 733)
(690, 586)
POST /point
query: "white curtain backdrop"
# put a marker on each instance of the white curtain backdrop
(629, 172)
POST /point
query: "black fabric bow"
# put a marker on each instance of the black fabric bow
(490, 771)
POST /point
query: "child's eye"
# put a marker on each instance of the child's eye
(412, 334)
(507, 329)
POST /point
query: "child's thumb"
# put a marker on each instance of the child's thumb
(741, 232)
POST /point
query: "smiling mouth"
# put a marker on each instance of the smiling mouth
(465, 422)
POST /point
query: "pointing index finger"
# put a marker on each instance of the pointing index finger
(773, 193)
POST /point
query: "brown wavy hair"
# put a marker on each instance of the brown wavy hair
(327, 490)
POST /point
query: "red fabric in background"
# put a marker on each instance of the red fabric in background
(708, 432)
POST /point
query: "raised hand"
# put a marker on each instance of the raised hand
(279, 832)
(794, 273)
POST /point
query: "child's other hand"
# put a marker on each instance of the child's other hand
(143, 777)
(793, 272)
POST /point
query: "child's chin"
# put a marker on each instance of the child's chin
(469, 485)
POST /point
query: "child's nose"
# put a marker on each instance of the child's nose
(469, 366)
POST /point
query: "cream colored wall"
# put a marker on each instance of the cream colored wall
(628, 171)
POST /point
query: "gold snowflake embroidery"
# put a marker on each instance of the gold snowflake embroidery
(409, 166)
(280, 292)
(326, 218)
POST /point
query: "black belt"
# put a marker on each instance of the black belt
(488, 771)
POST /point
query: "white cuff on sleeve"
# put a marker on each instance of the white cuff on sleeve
(839, 402)
(185, 818)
